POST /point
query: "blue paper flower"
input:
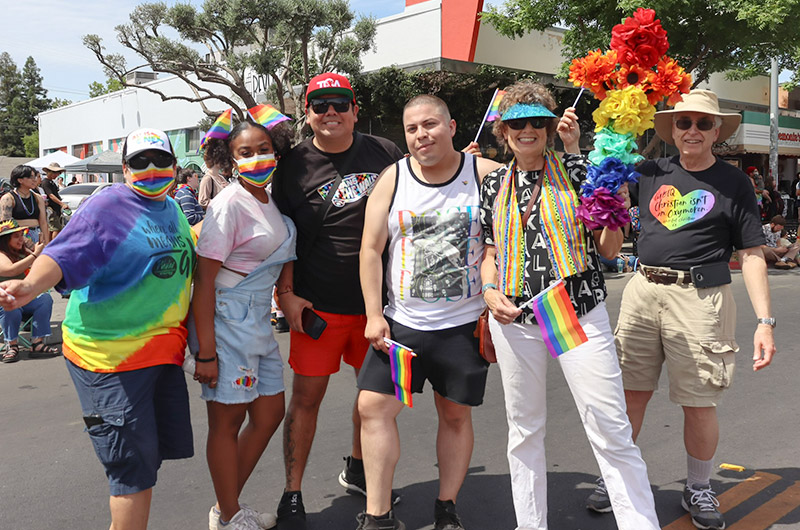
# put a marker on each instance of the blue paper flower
(610, 174)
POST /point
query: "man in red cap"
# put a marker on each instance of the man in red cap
(323, 184)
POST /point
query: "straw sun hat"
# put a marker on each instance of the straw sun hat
(697, 100)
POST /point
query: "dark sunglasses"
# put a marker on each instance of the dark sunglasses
(519, 123)
(159, 158)
(703, 124)
(320, 106)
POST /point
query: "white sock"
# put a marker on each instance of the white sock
(698, 471)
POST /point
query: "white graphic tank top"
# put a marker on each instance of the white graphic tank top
(435, 249)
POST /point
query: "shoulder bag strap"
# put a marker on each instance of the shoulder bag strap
(322, 213)
(531, 202)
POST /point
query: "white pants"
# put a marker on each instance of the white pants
(595, 380)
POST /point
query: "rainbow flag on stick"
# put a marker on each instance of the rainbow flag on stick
(557, 319)
(221, 128)
(266, 115)
(493, 110)
(400, 359)
(494, 106)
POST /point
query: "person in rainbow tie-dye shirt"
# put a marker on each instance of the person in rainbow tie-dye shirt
(128, 258)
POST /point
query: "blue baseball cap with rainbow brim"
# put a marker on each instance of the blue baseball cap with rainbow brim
(527, 110)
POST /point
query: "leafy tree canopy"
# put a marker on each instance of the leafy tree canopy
(734, 36)
(97, 88)
(289, 41)
(22, 98)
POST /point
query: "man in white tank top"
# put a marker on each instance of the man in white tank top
(427, 208)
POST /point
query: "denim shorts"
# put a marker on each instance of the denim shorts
(248, 357)
(135, 420)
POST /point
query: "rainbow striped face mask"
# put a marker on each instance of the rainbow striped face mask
(152, 182)
(257, 170)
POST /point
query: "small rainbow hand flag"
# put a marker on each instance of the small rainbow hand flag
(221, 128)
(266, 115)
(557, 319)
(400, 359)
(494, 106)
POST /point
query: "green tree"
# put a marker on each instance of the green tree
(10, 143)
(734, 36)
(97, 88)
(58, 102)
(30, 143)
(22, 98)
(289, 41)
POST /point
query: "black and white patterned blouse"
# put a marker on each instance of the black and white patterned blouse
(586, 290)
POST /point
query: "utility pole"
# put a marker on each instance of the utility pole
(773, 121)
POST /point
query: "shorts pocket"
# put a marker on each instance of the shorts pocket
(718, 362)
(110, 442)
(232, 310)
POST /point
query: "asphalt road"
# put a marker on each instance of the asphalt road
(51, 479)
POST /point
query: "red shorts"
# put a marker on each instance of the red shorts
(343, 338)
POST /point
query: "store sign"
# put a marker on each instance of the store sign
(757, 138)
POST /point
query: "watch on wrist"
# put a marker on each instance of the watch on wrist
(768, 321)
(487, 286)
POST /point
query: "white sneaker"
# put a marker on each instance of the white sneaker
(263, 520)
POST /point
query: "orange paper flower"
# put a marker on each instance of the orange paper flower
(670, 81)
(633, 75)
(594, 71)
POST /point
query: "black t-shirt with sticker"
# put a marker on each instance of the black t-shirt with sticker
(327, 272)
(694, 217)
(51, 188)
(587, 289)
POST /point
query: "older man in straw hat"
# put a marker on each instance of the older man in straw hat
(679, 310)
(54, 201)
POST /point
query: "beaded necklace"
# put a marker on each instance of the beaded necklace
(33, 203)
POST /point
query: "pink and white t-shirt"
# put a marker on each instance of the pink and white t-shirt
(240, 231)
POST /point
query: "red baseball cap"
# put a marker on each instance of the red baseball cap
(329, 84)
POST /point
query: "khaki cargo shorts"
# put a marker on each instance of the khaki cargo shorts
(691, 330)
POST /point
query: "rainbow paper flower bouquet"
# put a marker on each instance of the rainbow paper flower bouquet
(629, 80)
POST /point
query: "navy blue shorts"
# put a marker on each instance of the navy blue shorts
(448, 358)
(135, 419)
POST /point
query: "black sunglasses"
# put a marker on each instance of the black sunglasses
(703, 124)
(159, 158)
(320, 106)
(519, 123)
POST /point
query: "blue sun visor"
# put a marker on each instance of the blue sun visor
(527, 110)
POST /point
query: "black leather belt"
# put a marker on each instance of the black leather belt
(663, 276)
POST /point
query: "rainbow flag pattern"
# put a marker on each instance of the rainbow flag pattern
(494, 106)
(266, 115)
(153, 182)
(257, 170)
(557, 319)
(221, 128)
(400, 360)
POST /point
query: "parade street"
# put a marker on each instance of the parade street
(51, 478)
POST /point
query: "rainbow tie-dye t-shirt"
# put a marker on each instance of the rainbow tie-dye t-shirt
(129, 263)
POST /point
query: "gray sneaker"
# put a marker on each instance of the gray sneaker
(368, 522)
(598, 501)
(702, 505)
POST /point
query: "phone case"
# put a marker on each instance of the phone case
(313, 324)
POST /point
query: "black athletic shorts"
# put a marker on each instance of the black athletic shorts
(448, 358)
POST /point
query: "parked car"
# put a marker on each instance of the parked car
(74, 195)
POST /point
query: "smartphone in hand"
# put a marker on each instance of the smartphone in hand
(313, 324)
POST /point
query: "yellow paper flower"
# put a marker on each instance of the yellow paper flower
(628, 110)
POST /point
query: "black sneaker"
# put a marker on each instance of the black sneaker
(702, 505)
(353, 480)
(291, 512)
(368, 522)
(445, 517)
(281, 326)
(598, 501)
